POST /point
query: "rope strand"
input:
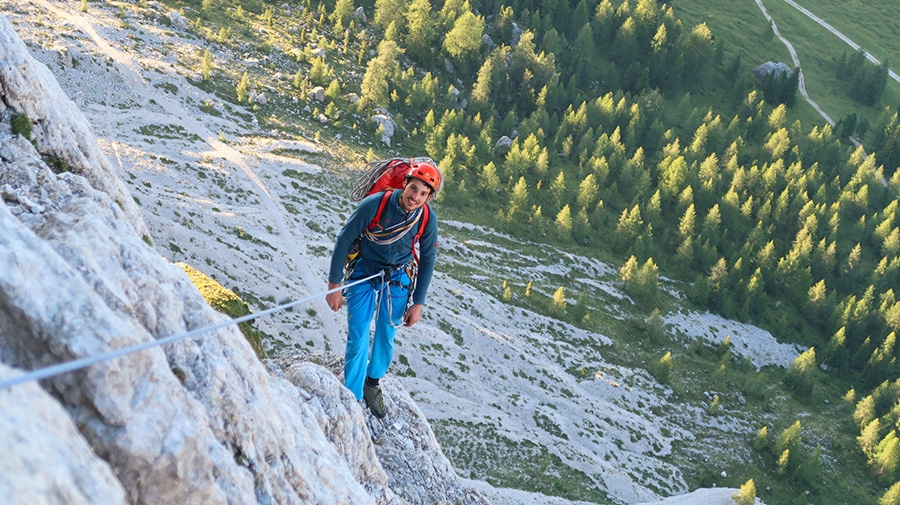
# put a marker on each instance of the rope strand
(71, 366)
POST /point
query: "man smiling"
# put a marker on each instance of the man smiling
(391, 225)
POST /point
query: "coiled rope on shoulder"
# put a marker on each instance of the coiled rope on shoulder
(71, 366)
(374, 170)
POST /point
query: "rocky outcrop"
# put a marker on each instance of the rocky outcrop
(60, 130)
(780, 69)
(405, 446)
(44, 456)
(199, 420)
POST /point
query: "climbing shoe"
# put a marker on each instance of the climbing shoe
(375, 401)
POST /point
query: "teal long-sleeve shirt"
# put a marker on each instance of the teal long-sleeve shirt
(375, 257)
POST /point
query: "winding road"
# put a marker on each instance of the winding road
(839, 35)
(801, 85)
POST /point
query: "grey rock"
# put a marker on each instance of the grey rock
(45, 455)
(60, 129)
(769, 67)
(517, 32)
(317, 94)
(360, 14)
(65, 57)
(179, 22)
(387, 125)
(503, 145)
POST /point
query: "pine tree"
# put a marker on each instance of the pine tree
(242, 88)
(206, 66)
(746, 495)
(564, 222)
(891, 496)
(422, 32)
(558, 305)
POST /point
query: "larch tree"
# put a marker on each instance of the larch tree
(518, 200)
(588, 191)
(391, 11)
(374, 88)
(421, 31)
(887, 457)
(464, 39)
(868, 438)
(558, 303)
(343, 9)
(564, 222)
(891, 496)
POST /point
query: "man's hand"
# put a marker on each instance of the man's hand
(336, 299)
(412, 315)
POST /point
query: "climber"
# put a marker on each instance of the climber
(390, 224)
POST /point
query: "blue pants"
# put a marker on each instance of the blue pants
(361, 305)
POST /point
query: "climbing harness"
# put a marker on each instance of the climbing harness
(380, 235)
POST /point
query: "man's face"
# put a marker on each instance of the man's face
(415, 194)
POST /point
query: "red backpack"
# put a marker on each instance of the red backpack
(384, 176)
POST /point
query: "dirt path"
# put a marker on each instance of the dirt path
(274, 209)
(801, 84)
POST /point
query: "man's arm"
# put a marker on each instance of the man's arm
(352, 229)
(427, 258)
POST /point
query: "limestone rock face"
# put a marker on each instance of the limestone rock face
(45, 456)
(60, 129)
(405, 458)
(195, 421)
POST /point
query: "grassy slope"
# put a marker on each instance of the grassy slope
(741, 26)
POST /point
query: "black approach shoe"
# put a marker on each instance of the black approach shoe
(375, 401)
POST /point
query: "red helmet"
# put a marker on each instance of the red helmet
(427, 171)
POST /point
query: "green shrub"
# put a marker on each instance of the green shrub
(663, 368)
(746, 495)
(226, 302)
(21, 125)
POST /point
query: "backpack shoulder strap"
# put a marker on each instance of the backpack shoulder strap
(376, 221)
(424, 221)
(425, 212)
